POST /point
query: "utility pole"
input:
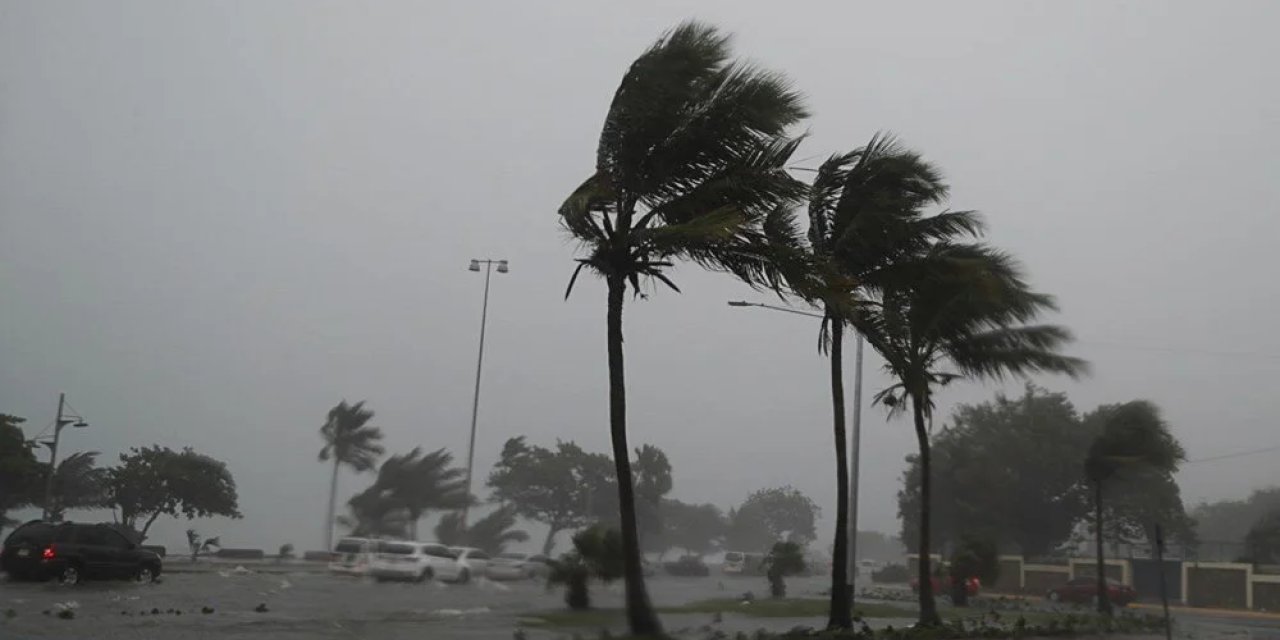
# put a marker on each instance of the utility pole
(475, 401)
(53, 458)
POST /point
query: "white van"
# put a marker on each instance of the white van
(351, 556)
(415, 561)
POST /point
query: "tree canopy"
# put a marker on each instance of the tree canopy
(19, 470)
(492, 533)
(772, 515)
(1262, 543)
(155, 481)
(696, 528)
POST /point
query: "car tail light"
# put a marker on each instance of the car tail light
(48, 553)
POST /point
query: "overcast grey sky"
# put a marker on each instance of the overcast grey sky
(217, 219)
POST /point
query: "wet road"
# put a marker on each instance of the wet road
(308, 606)
(314, 605)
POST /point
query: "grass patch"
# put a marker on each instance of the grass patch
(594, 618)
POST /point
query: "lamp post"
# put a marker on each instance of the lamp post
(855, 444)
(475, 401)
(63, 419)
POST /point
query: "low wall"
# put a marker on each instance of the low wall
(1117, 570)
(240, 554)
(1222, 585)
(1010, 578)
(1040, 578)
(1266, 593)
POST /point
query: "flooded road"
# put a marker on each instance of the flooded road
(316, 605)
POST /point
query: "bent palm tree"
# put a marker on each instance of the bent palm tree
(491, 533)
(423, 482)
(960, 312)
(77, 484)
(690, 165)
(350, 441)
(865, 224)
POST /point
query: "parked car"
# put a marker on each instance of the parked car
(1085, 589)
(740, 563)
(472, 563)
(72, 552)
(519, 566)
(351, 556)
(417, 561)
(687, 566)
(942, 585)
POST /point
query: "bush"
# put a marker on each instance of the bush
(893, 573)
(597, 553)
(785, 559)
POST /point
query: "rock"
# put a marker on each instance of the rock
(67, 614)
(206, 610)
(261, 608)
(155, 611)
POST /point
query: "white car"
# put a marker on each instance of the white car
(415, 561)
(472, 563)
(351, 556)
(519, 566)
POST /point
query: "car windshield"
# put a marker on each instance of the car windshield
(397, 548)
(733, 556)
(350, 546)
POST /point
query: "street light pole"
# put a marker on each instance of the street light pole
(63, 419)
(855, 444)
(475, 401)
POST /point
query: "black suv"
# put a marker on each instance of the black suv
(72, 552)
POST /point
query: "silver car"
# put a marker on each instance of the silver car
(519, 566)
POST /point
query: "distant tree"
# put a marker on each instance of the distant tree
(198, 545)
(1227, 522)
(597, 554)
(1262, 543)
(772, 515)
(691, 165)
(285, 552)
(20, 472)
(155, 481)
(77, 484)
(696, 528)
(349, 441)
(1133, 441)
(553, 486)
(1007, 470)
(784, 559)
(420, 483)
(491, 533)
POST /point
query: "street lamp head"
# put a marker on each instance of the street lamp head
(80, 424)
(739, 303)
(502, 266)
(475, 266)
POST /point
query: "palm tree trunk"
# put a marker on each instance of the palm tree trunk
(928, 608)
(1104, 599)
(640, 614)
(840, 613)
(550, 542)
(333, 497)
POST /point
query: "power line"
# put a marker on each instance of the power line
(1204, 352)
(1238, 454)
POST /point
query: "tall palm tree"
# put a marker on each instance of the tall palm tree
(1133, 440)
(77, 484)
(350, 441)
(866, 227)
(424, 482)
(690, 165)
(375, 512)
(961, 313)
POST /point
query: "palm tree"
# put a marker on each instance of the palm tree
(374, 512)
(865, 229)
(690, 165)
(424, 482)
(491, 533)
(77, 484)
(957, 311)
(350, 441)
(1133, 439)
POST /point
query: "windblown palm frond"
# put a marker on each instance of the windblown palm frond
(349, 439)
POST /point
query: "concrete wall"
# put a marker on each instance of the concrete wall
(1040, 578)
(1010, 578)
(1224, 585)
(1266, 593)
(1117, 570)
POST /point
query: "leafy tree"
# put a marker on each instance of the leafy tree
(864, 223)
(491, 533)
(155, 481)
(1133, 440)
(419, 483)
(957, 310)
(696, 528)
(1227, 522)
(597, 553)
(77, 484)
(350, 441)
(784, 559)
(772, 515)
(20, 473)
(1263, 540)
(198, 545)
(691, 165)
